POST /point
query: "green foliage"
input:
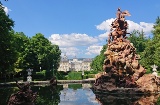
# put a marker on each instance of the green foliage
(60, 75)
(91, 75)
(41, 53)
(48, 95)
(74, 76)
(8, 54)
(21, 41)
(93, 72)
(40, 75)
(158, 101)
(139, 40)
(97, 62)
(151, 53)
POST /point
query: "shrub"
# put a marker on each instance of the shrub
(74, 76)
(61, 75)
(91, 75)
(93, 72)
(39, 75)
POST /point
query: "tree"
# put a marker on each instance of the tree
(21, 42)
(41, 53)
(8, 54)
(97, 63)
(151, 54)
(139, 40)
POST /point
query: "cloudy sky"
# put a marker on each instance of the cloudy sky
(79, 27)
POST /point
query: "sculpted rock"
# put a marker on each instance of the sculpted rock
(148, 83)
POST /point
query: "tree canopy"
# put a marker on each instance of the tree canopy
(98, 60)
(19, 52)
(151, 54)
(8, 53)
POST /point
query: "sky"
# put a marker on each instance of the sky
(79, 27)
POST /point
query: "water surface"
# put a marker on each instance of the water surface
(79, 94)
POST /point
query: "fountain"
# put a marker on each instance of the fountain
(25, 96)
(122, 71)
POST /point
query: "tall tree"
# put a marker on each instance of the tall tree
(21, 42)
(41, 53)
(151, 54)
(8, 54)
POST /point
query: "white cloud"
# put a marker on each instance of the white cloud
(6, 9)
(146, 27)
(94, 49)
(103, 36)
(71, 40)
(70, 43)
(105, 25)
(70, 51)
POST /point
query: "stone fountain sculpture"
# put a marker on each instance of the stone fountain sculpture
(121, 65)
(25, 96)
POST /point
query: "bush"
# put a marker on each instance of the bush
(74, 76)
(39, 75)
(93, 72)
(61, 75)
(91, 75)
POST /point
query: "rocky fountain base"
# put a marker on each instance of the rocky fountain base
(147, 84)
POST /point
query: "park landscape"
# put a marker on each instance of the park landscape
(124, 64)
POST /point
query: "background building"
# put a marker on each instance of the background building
(75, 64)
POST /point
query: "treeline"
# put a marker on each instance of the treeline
(20, 52)
(147, 47)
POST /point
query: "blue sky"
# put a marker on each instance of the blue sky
(79, 27)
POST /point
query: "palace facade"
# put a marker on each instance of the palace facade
(75, 64)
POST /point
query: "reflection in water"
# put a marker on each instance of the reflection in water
(48, 95)
(127, 99)
(79, 94)
(5, 93)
